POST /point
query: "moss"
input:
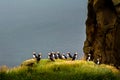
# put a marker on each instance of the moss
(62, 70)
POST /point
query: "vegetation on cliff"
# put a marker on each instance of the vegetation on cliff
(61, 70)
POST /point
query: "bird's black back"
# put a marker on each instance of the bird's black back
(55, 55)
(70, 55)
(74, 56)
(59, 56)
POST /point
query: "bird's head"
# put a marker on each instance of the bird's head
(57, 52)
(34, 52)
(52, 52)
(40, 54)
(89, 54)
(76, 53)
(49, 53)
(68, 52)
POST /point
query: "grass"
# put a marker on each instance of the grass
(61, 70)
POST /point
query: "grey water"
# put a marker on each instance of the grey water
(41, 26)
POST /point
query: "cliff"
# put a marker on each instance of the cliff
(103, 31)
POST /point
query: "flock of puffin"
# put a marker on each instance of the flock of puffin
(56, 55)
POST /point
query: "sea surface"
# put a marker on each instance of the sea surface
(41, 26)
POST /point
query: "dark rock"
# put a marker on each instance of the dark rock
(103, 31)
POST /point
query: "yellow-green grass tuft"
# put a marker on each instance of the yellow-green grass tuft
(62, 70)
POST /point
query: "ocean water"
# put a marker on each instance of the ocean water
(41, 26)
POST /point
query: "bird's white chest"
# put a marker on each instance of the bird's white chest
(34, 56)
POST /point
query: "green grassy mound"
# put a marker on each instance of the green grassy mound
(61, 70)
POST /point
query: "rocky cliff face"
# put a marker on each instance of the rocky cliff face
(103, 31)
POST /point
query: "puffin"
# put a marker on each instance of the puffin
(38, 57)
(59, 55)
(89, 57)
(55, 55)
(34, 54)
(64, 56)
(75, 56)
(98, 61)
(69, 55)
(51, 56)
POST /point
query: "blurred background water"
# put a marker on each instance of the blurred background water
(41, 26)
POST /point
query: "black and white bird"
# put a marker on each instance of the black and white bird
(52, 53)
(89, 57)
(64, 56)
(59, 55)
(51, 56)
(34, 54)
(55, 55)
(38, 57)
(69, 55)
(75, 56)
(98, 61)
